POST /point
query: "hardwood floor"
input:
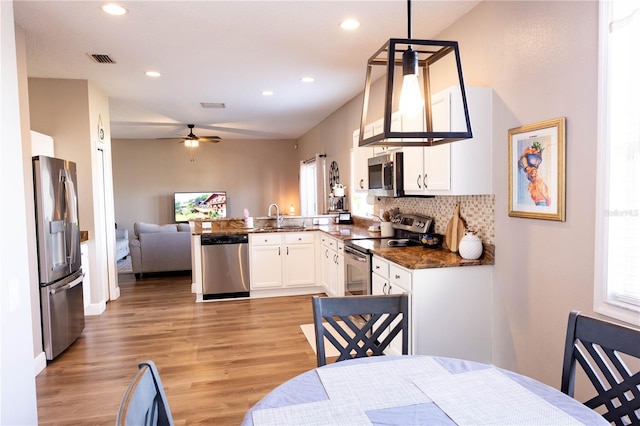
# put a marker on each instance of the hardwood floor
(215, 359)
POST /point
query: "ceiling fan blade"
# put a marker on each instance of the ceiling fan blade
(213, 139)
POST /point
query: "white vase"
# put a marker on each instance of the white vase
(470, 246)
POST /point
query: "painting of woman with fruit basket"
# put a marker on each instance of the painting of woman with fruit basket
(536, 170)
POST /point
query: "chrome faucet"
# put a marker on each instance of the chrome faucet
(278, 218)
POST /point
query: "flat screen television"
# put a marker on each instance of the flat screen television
(199, 205)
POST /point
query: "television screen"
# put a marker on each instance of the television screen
(199, 205)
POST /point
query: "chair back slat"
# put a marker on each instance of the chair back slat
(144, 402)
(597, 346)
(365, 320)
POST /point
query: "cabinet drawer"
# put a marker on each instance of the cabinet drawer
(265, 239)
(298, 238)
(329, 242)
(400, 277)
(380, 267)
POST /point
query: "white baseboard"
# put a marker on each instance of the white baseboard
(39, 363)
(95, 308)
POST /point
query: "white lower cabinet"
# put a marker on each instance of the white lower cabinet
(450, 308)
(332, 261)
(388, 278)
(282, 261)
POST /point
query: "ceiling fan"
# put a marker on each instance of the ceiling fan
(192, 141)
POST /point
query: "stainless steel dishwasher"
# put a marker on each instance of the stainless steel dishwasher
(225, 266)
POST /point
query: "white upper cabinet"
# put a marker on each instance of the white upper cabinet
(360, 167)
(396, 125)
(458, 168)
(427, 170)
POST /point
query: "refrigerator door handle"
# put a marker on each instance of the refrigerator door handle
(71, 209)
(66, 287)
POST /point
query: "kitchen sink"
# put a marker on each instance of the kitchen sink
(281, 228)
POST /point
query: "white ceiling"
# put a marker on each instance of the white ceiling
(220, 51)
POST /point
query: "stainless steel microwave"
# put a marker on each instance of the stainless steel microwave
(386, 175)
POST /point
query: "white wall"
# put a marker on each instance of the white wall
(541, 59)
(255, 173)
(17, 382)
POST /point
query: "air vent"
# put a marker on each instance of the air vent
(102, 59)
(213, 105)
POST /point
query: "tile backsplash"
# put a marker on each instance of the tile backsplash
(477, 210)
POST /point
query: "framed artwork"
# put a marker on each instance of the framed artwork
(537, 170)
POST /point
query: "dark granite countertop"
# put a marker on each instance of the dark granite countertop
(419, 257)
(416, 257)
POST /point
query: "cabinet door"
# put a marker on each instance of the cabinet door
(472, 158)
(333, 273)
(437, 159)
(339, 291)
(379, 285)
(299, 265)
(395, 348)
(266, 267)
(396, 126)
(360, 167)
(325, 263)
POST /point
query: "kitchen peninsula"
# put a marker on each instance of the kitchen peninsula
(450, 296)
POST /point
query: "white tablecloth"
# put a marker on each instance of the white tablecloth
(416, 390)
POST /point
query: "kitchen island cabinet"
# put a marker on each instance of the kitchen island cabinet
(282, 264)
(450, 308)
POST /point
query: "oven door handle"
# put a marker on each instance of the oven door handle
(355, 254)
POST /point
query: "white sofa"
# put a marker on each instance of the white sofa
(160, 248)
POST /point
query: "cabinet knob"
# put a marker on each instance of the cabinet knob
(361, 183)
(377, 267)
(397, 276)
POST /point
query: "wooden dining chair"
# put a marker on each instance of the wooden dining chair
(597, 346)
(144, 403)
(370, 324)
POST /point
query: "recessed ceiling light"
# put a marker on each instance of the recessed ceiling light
(152, 74)
(114, 9)
(349, 24)
(307, 79)
(267, 93)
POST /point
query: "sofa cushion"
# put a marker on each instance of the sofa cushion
(152, 228)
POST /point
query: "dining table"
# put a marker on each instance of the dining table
(416, 390)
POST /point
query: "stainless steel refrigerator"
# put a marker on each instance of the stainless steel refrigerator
(59, 264)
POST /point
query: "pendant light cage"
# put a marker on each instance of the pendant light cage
(439, 68)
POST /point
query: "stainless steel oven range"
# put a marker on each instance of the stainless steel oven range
(357, 253)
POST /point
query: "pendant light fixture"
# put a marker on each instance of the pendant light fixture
(427, 106)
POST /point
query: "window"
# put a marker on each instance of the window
(312, 190)
(617, 263)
